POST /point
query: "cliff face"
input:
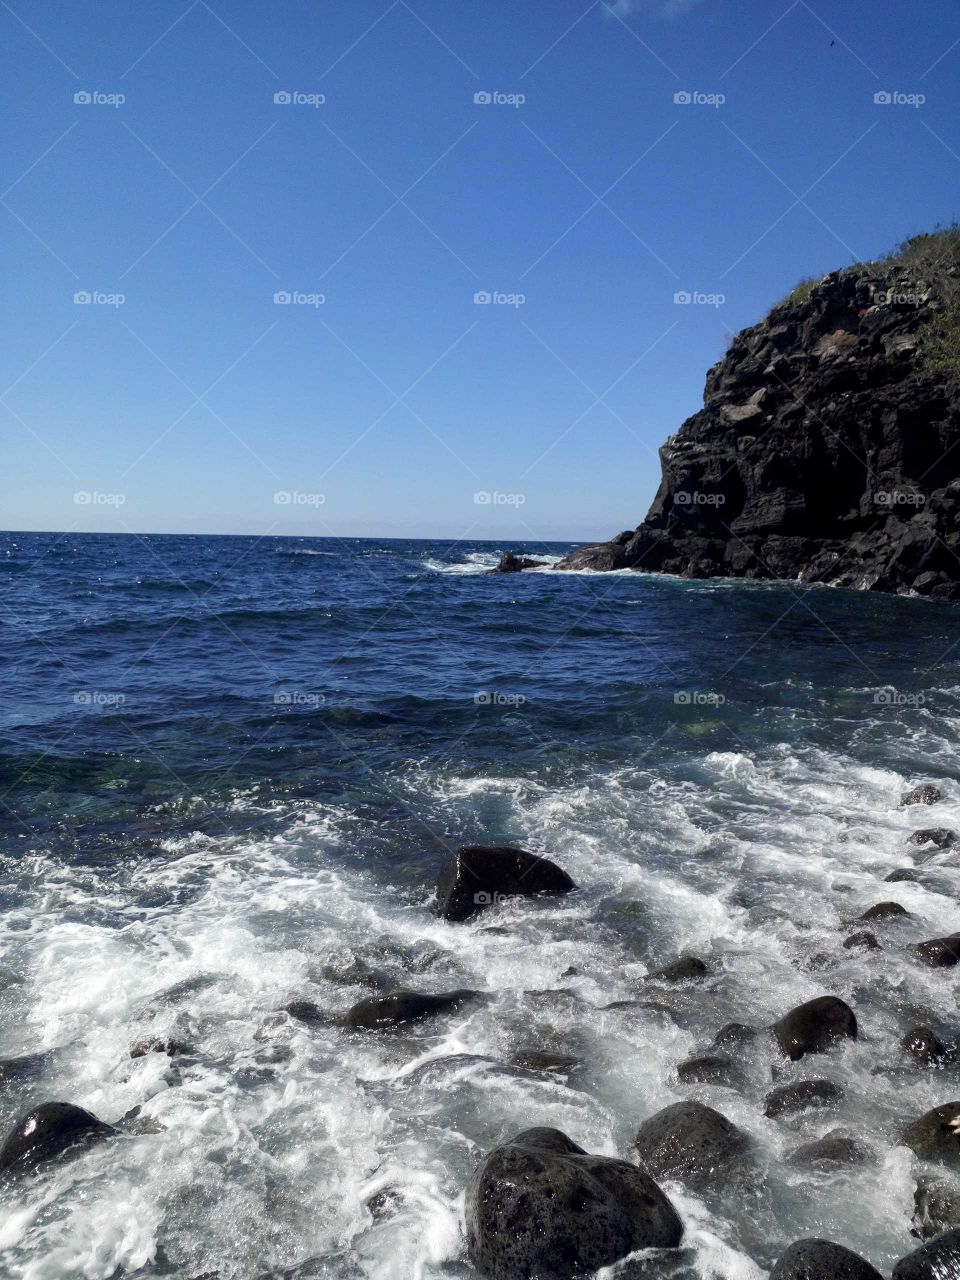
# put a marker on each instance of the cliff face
(827, 448)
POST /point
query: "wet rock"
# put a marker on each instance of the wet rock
(903, 875)
(926, 1047)
(815, 1027)
(862, 941)
(303, 1011)
(936, 1208)
(833, 1151)
(475, 877)
(714, 1068)
(789, 1098)
(938, 953)
(47, 1132)
(512, 563)
(686, 969)
(26, 1067)
(822, 1260)
(942, 837)
(926, 793)
(541, 1206)
(169, 1045)
(936, 1135)
(883, 911)
(693, 1144)
(938, 1260)
(355, 973)
(543, 1060)
(734, 1035)
(401, 1006)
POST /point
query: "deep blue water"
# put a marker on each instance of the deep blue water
(228, 771)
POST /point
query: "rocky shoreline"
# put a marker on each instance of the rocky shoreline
(539, 1206)
(828, 446)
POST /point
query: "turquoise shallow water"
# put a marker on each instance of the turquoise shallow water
(234, 763)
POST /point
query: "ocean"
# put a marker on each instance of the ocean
(230, 769)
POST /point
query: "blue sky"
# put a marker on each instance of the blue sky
(383, 398)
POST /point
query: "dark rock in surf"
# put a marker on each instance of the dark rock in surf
(686, 969)
(543, 1060)
(541, 1206)
(693, 1144)
(711, 1068)
(822, 1260)
(303, 1011)
(862, 941)
(789, 1098)
(936, 1135)
(938, 1260)
(939, 836)
(903, 875)
(26, 1067)
(734, 1035)
(926, 793)
(511, 563)
(377, 1013)
(835, 1150)
(47, 1132)
(815, 1027)
(883, 911)
(476, 876)
(938, 953)
(926, 1047)
(169, 1045)
(602, 558)
(936, 1208)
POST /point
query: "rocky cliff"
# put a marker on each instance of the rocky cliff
(828, 445)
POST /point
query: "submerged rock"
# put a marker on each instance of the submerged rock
(543, 1060)
(400, 1006)
(905, 875)
(834, 1150)
(862, 941)
(512, 563)
(686, 969)
(822, 1260)
(167, 1044)
(926, 793)
(936, 1208)
(815, 1027)
(303, 1011)
(711, 1068)
(936, 1135)
(924, 1045)
(47, 1132)
(693, 1144)
(476, 877)
(541, 1206)
(938, 1260)
(938, 953)
(789, 1098)
(26, 1067)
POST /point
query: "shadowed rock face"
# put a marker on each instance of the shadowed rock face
(541, 1206)
(821, 1260)
(477, 876)
(821, 453)
(47, 1132)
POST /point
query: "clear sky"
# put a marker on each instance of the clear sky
(184, 398)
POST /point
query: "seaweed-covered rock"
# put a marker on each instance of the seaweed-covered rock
(815, 1027)
(477, 876)
(539, 1205)
(693, 1144)
(47, 1132)
(822, 1260)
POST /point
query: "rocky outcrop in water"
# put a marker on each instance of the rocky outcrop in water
(541, 1206)
(827, 446)
(693, 1144)
(476, 877)
(47, 1132)
(815, 1026)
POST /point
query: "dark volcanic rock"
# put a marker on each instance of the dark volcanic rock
(883, 911)
(475, 877)
(903, 875)
(936, 1135)
(169, 1045)
(543, 1060)
(824, 450)
(936, 1208)
(942, 837)
(924, 1045)
(821, 1260)
(815, 1026)
(925, 794)
(541, 1206)
(398, 1007)
(27, 1067)
(834, 1150)
(800, 1095)
(686, 969)
(863, 941)
(693, 1144)
(735, 1035)
(939, 953)
(938, 1260)
(711, 1068)
(511, 563)
(303, 1011)
(49, 1130)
